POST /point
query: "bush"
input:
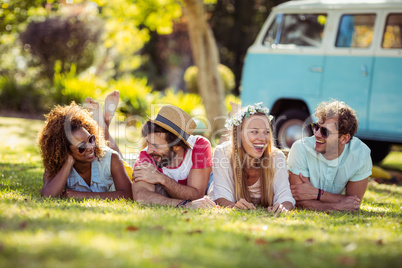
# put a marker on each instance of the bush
(20, 97)
(188, 102)
(227, 76)
(68, 87)
(135, 95)
(66, 39)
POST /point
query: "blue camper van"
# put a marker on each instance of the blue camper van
(315, 50)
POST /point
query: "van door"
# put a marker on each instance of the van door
(349, 63)
(288, 60)
(386, 98)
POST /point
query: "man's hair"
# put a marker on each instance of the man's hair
(170, 138)
(347, 118)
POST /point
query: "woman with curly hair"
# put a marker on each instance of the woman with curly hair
(75, 156)
(248, 170)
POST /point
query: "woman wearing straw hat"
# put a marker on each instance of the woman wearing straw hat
(175, 166)
(248, 170)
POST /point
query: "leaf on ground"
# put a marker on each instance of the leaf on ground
(260, 241)
(347, 260)
(195, 232)
(184, 212)
(23, 225)
(283, 239)
(280, 255)
(131, 228)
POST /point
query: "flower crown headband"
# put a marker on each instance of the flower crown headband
(245, 113)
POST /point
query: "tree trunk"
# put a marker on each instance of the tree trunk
(206, 58)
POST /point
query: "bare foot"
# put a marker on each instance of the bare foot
(111, 102)
(94, 107)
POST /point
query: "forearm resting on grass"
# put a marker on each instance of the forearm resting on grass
(145, 193)
(241, 204)
(349, 203)
(302, 189)
(309, 197)
(181, 191)
(106, 195)
(54, 186)
(197, 181)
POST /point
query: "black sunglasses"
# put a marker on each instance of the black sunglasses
(83, 146)
(324, 131)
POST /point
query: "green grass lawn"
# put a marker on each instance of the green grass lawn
(44, 232)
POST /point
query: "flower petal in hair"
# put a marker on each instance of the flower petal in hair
(245, 113)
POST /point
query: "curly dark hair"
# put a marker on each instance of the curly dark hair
(347, 118)
(54, 141)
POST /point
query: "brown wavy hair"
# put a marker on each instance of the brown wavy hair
(266, 167)
(347, 117)
(54, 138)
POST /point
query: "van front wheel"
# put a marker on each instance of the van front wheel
(290, 126)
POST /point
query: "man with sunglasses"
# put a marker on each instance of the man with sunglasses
(322, 166)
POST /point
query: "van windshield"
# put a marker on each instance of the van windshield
(296, 30)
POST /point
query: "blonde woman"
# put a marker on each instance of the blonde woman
(248, 170)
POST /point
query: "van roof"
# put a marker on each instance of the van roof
(338, 4)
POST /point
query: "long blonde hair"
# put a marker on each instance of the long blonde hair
(238, 157)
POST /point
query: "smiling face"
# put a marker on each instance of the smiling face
(159, 149)
(80, 137)
(255, 135)
(332, 146)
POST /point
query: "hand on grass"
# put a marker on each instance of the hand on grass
(277, 209)
(66, 193)
(244, 204)
(349, 203)
(204, 202)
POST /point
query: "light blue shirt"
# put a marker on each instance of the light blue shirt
(101, 177)
(354, 164)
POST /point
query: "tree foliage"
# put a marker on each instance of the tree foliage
(112, 40)
(128, 27)
(68, 39)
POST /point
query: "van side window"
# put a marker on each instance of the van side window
(355, 31)
(296, 29)
(393, 32)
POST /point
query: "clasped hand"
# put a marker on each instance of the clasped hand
(304, 190)
(146, 172)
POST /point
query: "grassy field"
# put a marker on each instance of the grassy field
(44, 232)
